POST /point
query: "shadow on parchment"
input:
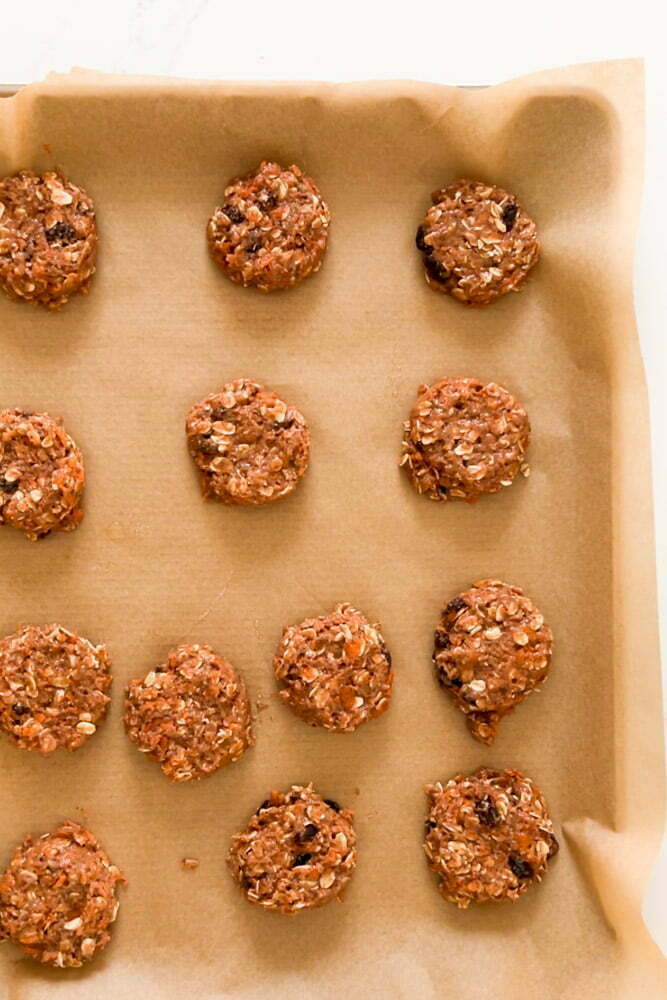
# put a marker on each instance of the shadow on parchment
(31, 334)
(574, 173)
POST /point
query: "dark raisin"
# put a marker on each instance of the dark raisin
(386, 653)
(308, 832)
(486, 811)
(443, 491)
(442, 640)
(267, 200)
(520, 867)
(430, 824)
(20, 709)
(218, 413)
(61, 232)
(206, 445)
(246, 883)
(301, 859)
(266, 804)
(555, 846)
(234, 214)
(421, 245)
(254, 243)
(285, 425)
(455, 605)
(435, 270)
(333, 805)
(510, 213)
(449, 682)
(8, 487)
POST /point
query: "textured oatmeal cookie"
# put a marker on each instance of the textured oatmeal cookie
(58, 897)
(298, 851)
(464, 439)
(488, 836)
(477, 242)
(334, 671)
(492, 648)
(250, 447)
(191, 714)
(271, 230)
(48, 238)
(41, 474)
(53, 687)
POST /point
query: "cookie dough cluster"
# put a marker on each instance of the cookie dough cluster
(488, 835)
(58, 897)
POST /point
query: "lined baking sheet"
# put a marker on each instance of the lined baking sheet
(154, 565)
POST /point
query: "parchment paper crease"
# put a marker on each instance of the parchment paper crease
(153, 564)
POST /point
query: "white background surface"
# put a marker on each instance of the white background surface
(458, 43)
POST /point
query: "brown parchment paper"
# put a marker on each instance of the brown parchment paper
(153, 565)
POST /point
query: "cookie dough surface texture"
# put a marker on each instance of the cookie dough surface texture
(48, 238)
(334, 671)
(464, 439)
(297, 852)
(271, 230)
(191, 714)
(41, 474)
(58, 897)
(488, 836)
(492, 648)
(477, 242)
(53, 687)
(250, 447)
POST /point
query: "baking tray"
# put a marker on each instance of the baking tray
(153, 565)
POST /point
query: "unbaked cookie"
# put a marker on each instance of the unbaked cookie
(250, 447)
(298, 851)
(53, 687)
(464, 439)
(477, 242)
(334, 671)
(48, 238)
(271, 230)
(488, 836)
(492, 648)
(191, 714)
(58, 897)
(41, 474)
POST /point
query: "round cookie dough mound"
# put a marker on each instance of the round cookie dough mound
(191, 714)
(250, 447)
(464, 439)
(334, 671)
(492, 648)
(53, 688)
(488, 836)
(271, 231)
(48, 238)
(58, 897)
(477, 242)
(41, 474)
(297, 852)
